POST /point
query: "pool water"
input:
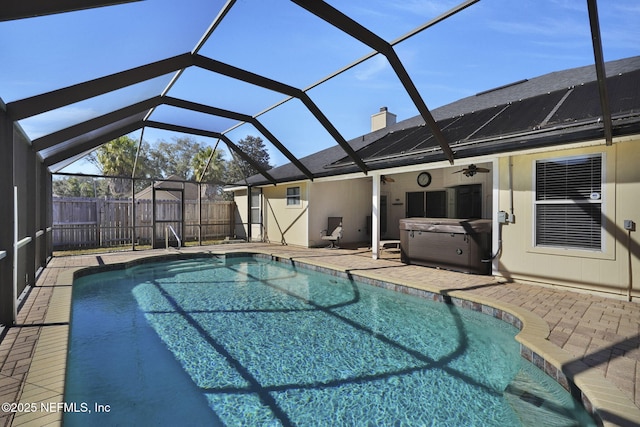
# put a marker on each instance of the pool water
(244, 341)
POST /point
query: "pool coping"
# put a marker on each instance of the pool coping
(603, 400)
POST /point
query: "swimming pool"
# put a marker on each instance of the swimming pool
(245, 341)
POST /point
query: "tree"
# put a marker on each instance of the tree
(117, 158)
(68, 186)
(238, 169)
(175, 158)
(209, 171)
(216, 167)
(80, 186)
(184, 157)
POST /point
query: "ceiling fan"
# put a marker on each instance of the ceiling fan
(472, 170)
(384, 179)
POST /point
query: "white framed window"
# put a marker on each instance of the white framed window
(293, 196)
(568, 202)
(256, 206)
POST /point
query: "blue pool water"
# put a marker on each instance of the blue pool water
(243, 341)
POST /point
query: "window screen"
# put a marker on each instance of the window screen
(568, 202)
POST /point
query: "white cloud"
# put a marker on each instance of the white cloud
(548, 27)
(424, 8)
(371, 68)
(411, 7)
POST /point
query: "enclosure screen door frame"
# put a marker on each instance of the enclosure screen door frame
(180, 229)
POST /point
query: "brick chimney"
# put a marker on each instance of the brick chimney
(382, 119)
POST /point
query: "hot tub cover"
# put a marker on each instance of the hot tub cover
(447, 225)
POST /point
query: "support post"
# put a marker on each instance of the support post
(45, 206)
(16, 250)
(133, 214)
(199, 213)
(7, 215)
(30, 214)
(600, 70)
(249, 222)
(153, 214)
(183, 222)
(48, 195)
(375, 216)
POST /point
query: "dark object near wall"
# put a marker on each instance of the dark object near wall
(454, 244)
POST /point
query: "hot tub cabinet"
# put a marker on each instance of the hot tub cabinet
(454, 244)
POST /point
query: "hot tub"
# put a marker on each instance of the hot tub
(454, 244)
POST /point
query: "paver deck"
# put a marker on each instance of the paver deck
(596, 339)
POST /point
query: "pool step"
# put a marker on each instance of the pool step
(173, 267)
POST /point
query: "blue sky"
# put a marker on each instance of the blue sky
(489, 44)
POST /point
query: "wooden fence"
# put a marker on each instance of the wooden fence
(94, 222)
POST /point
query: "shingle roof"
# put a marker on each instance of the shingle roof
(555, 108)
(546, 83)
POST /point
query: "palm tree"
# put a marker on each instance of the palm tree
(208, 167)
(116, 158)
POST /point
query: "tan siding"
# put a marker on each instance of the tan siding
(605, 271)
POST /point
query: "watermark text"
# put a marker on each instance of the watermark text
(53, 407)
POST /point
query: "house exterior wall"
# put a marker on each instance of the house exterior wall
(301, 225)
(349, 199)
(441, 180)
(241, 215)
(609, 270)
(283, 223)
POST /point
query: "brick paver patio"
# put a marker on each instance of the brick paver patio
(603, 332)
